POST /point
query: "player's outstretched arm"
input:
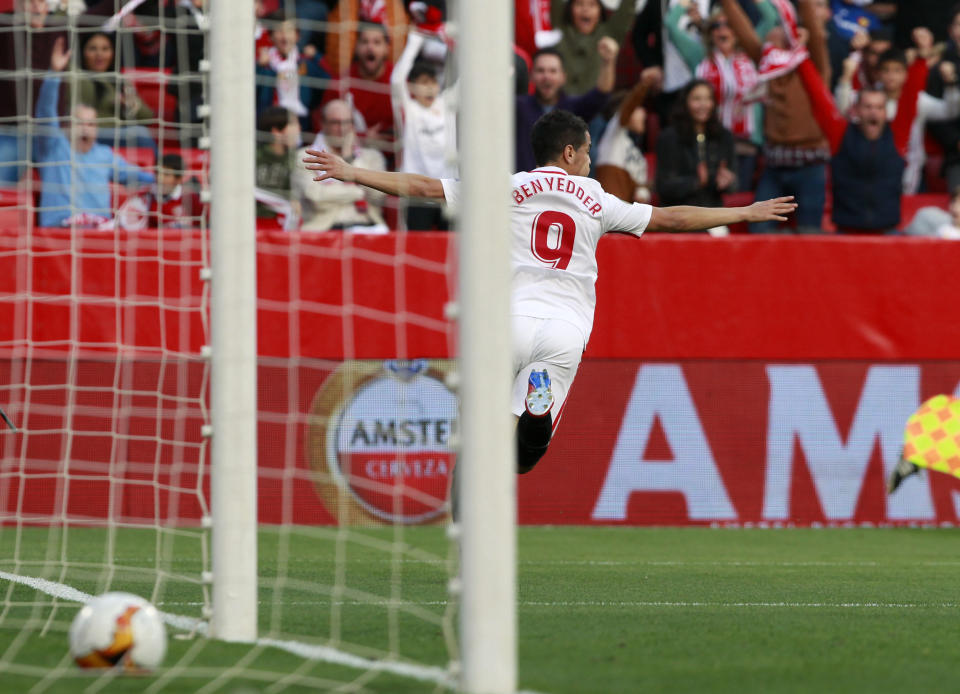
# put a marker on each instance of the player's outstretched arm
(688, 218)
(410, 185)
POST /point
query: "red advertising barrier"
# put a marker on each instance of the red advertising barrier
(743, 380)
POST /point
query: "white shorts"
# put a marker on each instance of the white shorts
(545, 343)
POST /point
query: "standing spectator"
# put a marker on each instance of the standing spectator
(121, 113)
(720, 61)
(347, 20)
(170, 203)
(75, 171)
(583, 23)
(549, 77)
(281, 66)
(280, 136)
(676, 73)
(427, 126)
(25, 49)
(621, 165)
(367, 86)
(795, 149)
(947, 132)
(859, 68)
(867, 163)
(909, 108)
(333, 204)
(694, 154)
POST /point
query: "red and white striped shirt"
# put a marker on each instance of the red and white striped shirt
(734, 81)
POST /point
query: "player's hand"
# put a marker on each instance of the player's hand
(774, 210)
(329, 164)
(263, 56)
(607, 49)
(60, 56)
(693, 11)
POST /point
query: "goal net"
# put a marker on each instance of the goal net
(108, 352)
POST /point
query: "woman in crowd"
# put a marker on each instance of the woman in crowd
(582, 24)
(121, 114)
(720, 61)
(694, 154)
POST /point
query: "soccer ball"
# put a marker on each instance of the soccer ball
(118, 630)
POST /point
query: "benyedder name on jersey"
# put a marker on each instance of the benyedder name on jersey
(557, 220)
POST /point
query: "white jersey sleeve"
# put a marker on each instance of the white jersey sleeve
(630, 218)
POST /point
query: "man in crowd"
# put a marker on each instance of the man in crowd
(549, 78)
(26, 46)
(279, 137)
(340, 204)
(75, 169)
(367, 87)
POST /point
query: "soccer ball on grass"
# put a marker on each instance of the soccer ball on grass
(118, 630)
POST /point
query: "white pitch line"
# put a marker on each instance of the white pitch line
(619, 604)
(326, 654)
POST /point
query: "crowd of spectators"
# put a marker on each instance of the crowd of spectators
(849, 105)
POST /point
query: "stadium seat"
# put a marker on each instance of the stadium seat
(151, 85)
(14, 202)
(138, 156)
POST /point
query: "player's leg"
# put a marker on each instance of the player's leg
(541, 345)
(535, 424)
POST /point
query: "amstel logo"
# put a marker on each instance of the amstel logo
(379, 441)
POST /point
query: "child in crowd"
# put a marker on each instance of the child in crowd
(171, 203)
(281, 67)
(428, 125)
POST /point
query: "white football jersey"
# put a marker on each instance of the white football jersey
(556, 221)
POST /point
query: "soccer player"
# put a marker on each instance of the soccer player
(557, 218)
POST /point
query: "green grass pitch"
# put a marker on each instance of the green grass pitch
(600, 610)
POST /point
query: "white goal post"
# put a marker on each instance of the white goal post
(488, 625)
(233, 317)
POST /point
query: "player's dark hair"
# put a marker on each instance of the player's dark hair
(893, 55)
(548, 51)
(553, 132)
(173, 162)
(421, 69)
(273, 118)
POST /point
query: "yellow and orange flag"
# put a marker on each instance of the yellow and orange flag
(932, 436)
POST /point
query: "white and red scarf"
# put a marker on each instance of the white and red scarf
(287, 68)
(734, 81)
(777, 62)
(373, 11)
